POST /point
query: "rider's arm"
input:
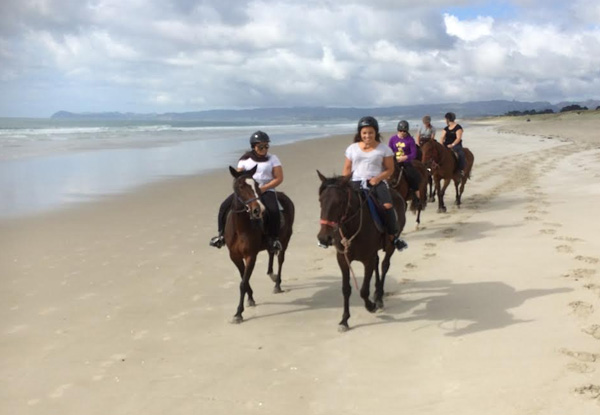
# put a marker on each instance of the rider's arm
(277, 179)
(347, 170)
(458, 138)
(442, 137)
(388, 170)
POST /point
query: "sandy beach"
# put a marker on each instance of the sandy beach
(120, 306)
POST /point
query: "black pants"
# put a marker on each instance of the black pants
(269, 199)
(382, 194)
(460, 152)
(413, 177)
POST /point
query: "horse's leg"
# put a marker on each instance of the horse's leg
(277, 278)
(385, 266)
(431, 189)
(458, 193)
(270, 266)
(366, 286)
(245, 288)
(346, 291)
(440, 194)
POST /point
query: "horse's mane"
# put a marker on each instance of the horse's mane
(332, 181)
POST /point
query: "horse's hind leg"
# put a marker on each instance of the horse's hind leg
(458, 194)
(277, 278)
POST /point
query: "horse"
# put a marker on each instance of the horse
(443, 164)
(245, 238)
(431, 194)
(399, 183)
(347, 224)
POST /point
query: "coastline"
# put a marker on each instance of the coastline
(119, 306)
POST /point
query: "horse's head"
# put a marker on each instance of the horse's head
(334, 196)
(431, 155)
(247, 192)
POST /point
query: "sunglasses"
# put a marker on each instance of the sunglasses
(262, 146)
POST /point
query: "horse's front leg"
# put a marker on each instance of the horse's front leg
(346, 291)
(245, 288)
(431, 189)
(458, 193)
(441, 191)
(370, 266)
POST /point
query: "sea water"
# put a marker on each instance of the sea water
(46, 164)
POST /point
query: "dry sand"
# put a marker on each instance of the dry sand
(121, 307)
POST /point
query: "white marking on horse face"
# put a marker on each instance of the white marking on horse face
(250, 182)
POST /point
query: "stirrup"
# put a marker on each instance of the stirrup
(275, 246)
(217, 241)
(400, 244)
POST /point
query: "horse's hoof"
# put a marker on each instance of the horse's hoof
(277, 290)
(237, 319)
(441, 210)
(379, 305)
(342, 328)
(251, 303)
(273, 276)
(371, 307)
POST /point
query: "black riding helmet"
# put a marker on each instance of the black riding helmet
(368, 121)
(403, 126)
(259, 137)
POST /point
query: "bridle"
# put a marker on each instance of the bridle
(344, 218)
(246, 203)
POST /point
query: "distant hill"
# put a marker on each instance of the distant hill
(303, 114)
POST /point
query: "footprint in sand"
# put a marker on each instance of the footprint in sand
(430, 245)
(568, 239)
(60, 391)
(588, 259)
(410, 266)
(554, 225)
(531, 218)
(566, 249)
(591, 391)
(429, 255)
(548, 231)
(579, 367)
(580, 273)
(449, 233)
(582, 309)
(581, 356)
(593, 287)
(593, 330)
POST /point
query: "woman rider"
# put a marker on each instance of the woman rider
(269, 175)
(370, 163)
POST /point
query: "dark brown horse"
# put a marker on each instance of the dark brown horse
(245, 237)
(347, 224)
(399, 183)
(443, 164)
(431, 195)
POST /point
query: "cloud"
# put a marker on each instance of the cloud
(189, 55)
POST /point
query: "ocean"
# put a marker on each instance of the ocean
(47, 164)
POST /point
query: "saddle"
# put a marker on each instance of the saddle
(375, 208)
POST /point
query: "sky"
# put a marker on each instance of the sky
(158, 56)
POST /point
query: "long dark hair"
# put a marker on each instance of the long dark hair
(254, 156)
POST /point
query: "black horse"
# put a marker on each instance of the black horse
(347, 224)
(245, 237)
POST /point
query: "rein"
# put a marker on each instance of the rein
(344, 241)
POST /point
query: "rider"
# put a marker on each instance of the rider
(452, 138)
(371, 162)
(405, 149)
(425, 133)
(269, 174)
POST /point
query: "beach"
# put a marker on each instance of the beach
(119, 306)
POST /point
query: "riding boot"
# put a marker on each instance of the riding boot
(391, 224)
(217, 241)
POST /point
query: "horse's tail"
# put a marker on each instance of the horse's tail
(470, 159)
(288, 208)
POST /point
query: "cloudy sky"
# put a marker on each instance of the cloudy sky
(188, 55)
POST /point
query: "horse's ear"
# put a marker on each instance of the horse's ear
(251, 171)
(323, 178)
(234, 172)
(345, 179)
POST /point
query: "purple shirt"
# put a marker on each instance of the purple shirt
(403, 147)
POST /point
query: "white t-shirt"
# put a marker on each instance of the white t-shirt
(366, 165)
(264, 171)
